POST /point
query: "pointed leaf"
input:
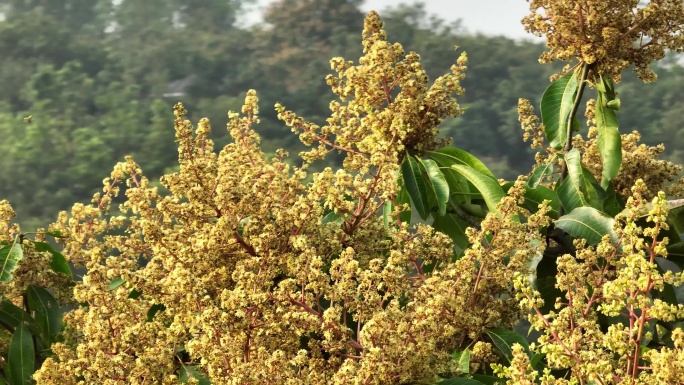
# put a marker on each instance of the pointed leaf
(10, 256)
(540, 172)
(437, 182)
(454, 227)
(587, 223)
(505, 339)
(21, 356)
(459, 189)
(190, 371)
(489, 187)
(45, 310)
(401, 199)
(11, 316)
(462, 359)
(460, 381)
(608, 140)
(59, 263)
(415, 185)
(447, 156)
(153, 310)
(556, 105)
(535, 196)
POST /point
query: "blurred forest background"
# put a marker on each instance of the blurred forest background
(100, 77)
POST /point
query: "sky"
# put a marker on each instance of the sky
(490, 17)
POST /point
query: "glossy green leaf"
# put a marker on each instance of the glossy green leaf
(556, 104)
(415, 185)
(438, 183)
(189, 371)
(489, 187)
(59, 263)
(505, 339)
(454, 227)
(462, 359)
(330, 218)
(540, 172)
(487, 380)
(46, 311)
(10, 256)
(448, 156)
(608, 140)
(459, 188)
(535, 196)
(587, 223)
(576, 191)
(401, 199)
(21, 356)
(55, 233)
(115, 283)
(11, 316)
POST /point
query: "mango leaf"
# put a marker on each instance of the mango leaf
(59, 263)
(448, 156)
(576, 190)
(459, 188)
(21, 356)
(387, 213)
(556, 104)
(587, 223)
(505, 339)
(489, 187)
(115, 283)
(55, 233)
(540, 172)
(538, 195)
(454, 227)
(46, 310)
(462, 359)
(401, 199)
(153, 310)
(330, 218)
(487, 380)
(190, 371)
(10, 256)
(438, 183)
(415, 185)
(608, 140)
(461, 381)
(11, 316)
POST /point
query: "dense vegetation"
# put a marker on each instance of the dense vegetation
(382, 254)
(100, 81)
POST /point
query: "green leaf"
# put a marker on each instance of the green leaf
(535, 196)
(608, 140)
(587, 223)
(577, 189)
(10, 256)
(556, 104)
(401, 199)
(21, 356)
(459, 188)
(59, 263)
(415, 185)
(460, 381)
(45, 310)
(491, 191)
(115, 283)
(462, 359)
(190, 371)
(454, 227)
(387, 213)
(11, 316)
(438, 183)
(56, 234)
(505, 339)
(154, 309)
(488, 380)
(330, 217)
(541, 172)
(448, 156)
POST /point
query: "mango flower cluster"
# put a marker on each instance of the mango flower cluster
(619, 277)
(608, 34)
(248, 272)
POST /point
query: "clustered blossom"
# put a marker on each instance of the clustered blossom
(610, 35)
(618, 277)
(253, 275)
(639, 162)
